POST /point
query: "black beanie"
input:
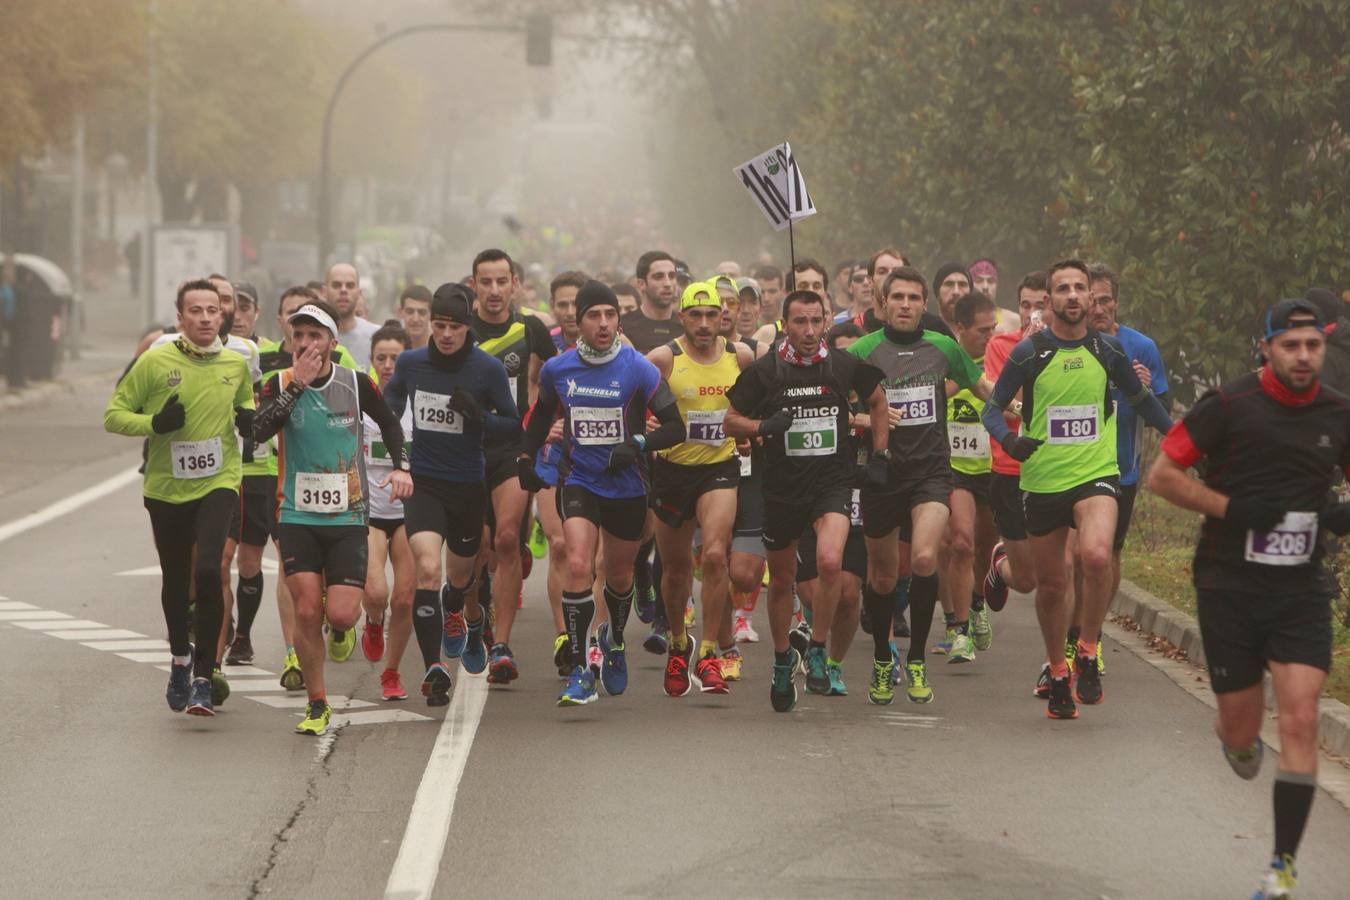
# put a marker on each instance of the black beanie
(1331, 306)
(595, 293)
(452, 301)
(948, 268)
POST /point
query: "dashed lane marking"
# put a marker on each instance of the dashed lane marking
(23, 615)
(8, 605)
(132, 644)
(50, 624)
(94, 634)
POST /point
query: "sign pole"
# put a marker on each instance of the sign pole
(792, 248)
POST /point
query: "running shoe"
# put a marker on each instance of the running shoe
(341, 644)
(372, 640)
(241, 651)
(900, 626)
(995, 588)
(658, 641)
(538, 542)
(897, 666)
(645, 601)
(1101, 660)
(563, 657)
(962, 649)
(317, 715)
(594, 658)
(677, 681)
(800, 638)
(981, 629)
(614, 664)
(1071, 652)
(817, 679)
(1246, 763)
(292, 679)
(474, 658)
(782, 688)
(918, 690)
(391, 685)
(944, 646)
(744, 631)
(708, 671)
(501, 665)
(456, 634)
(1088, 684)
(436, 685)
(220, 688)
(199, 701)
(689, 614)
(580, 689)
(179, 690)
(1061, 704)
(835, 672)
(1280, 879)
(1042, 689)
(731, 664)
(881, 691)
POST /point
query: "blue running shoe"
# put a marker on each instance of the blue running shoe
(645, 602)
(199, 704)
(817, 674)
(455, 636)
(436, 685)
(614, 670)
(1246, 763)
(658, 641)
(502, 665)
(474, 658)
(580, 688)
(180, 686)
(897, 665)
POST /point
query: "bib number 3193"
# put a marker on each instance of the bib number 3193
(196, 459)
(321, 492)
(1290, 543)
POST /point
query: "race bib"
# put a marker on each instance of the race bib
(917, 405)
(196, 459)
(1290, 543)
(432, 412)
(321, 492)
(968, 440)
(745, 464)
(1071, 424)
(815, 436)
(855, 509)
(378, 454)
(705, 427)
(597, 426)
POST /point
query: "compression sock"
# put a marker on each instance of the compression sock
(879, 607)
(1293, 801)
(578, 611)
(428, 623)
(923, 594)
(619, 606)
(249, 594)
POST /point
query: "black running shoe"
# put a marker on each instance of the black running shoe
(1043, 682)
(1061, 704)
(1088, 685)
(241, 651)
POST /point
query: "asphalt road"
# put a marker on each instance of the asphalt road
(107, 793)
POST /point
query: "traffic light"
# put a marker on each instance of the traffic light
(539, 39)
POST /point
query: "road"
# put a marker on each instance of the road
(106, 793)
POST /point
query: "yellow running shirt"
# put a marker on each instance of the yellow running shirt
(701, 393)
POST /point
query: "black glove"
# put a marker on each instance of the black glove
(1256, 513)
(462, 402)
(1019, 446)
(170, 417)
(623, 456)
(878, 469)
(776, 424)
(530, 481)
(243, 421)
(1335, 518)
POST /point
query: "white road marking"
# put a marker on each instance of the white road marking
(22, 615)
(419, 856)
(100, 634)
(375, 717)
(7, 604)
(134, 644)
(249, 686)
(54, 624)
(268, 567)
(148, 656)
(231, 671)
(300, 701)
(68, 505)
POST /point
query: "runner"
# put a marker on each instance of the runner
(414, 311)
(805, 275)
(1065, 374)
(746, 320)
(315, 408)
(984, 278)
(1273, 439)
(796, 398)
(603, 390)
(461, 398)
(192, 475)
(770, 281)
(860, 300)
(694, 483)
(909, 478)
(951, 283)
(521, 344)
(342, 289)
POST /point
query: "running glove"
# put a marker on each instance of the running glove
(529, 478)
(776, 424)
(1256, 513)
(462, 402)
(623, 456)
(243, 421)
(1335, 518)
(1019, 446)
(170, 417)
(878, 468)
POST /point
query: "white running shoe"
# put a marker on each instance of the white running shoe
(744, 632)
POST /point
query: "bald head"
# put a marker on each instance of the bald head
(342, 288)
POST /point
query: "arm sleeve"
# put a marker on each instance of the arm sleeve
(1140, 397)
(671, 431)
(502, 420)
(123, 414)
(276, 408)
(373, 405)
(541, 418)
(1010, 381)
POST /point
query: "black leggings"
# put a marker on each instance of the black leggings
(178, 527)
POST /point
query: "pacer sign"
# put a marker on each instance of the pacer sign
(777, 185)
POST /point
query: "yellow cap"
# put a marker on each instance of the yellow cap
(700, 293)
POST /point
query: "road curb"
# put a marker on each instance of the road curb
(1159, 618)
(38, 393)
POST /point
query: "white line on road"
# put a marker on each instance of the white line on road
(55, 622)
(68, 505)
(30, 615)
(133, 644)
(419, 856)
(100, 634)
(7, 604)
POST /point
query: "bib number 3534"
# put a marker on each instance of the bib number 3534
(1290, 543)
(196, 459)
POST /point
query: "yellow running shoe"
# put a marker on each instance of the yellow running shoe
(1101, 663)
(317, 715)
(341, 644)
(731, 665)
(1070, 653)
(918, 690)
(292, 679)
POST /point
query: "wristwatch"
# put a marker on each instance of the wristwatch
(404, 465)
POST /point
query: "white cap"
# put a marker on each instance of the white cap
(310, 311)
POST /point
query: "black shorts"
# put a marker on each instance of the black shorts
(884, 513)
(855, 555)
(1005, 496)
(1050, 512)
(785, 522)
(677, 488)
(750, 503)
(975, 485)
(337, 552)
(1241, 631)
(1125, 513)
(254, 520)
(623, 517)
(390, 527)
(452, 509)
(500, 464)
